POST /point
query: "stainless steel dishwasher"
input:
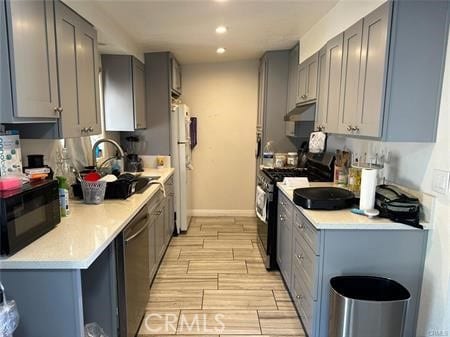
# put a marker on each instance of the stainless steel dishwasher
(133, 273)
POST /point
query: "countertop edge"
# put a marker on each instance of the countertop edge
(7, 263)
(387, 225)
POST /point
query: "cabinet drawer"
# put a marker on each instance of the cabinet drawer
(306, 262)
(285, 203)
(307, 230)
(303, 301)
(169, 187)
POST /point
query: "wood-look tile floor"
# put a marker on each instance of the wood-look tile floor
(212, 282)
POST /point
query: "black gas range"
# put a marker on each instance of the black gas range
(319, 168)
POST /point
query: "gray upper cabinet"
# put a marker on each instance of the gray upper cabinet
(321, 111)
(384, 74)
(333, 69)
(78, 74)
(307, 80)
(372, 79)
(123, 93)
(292, 78)
(140, 116)
(415, 70)
(5, 79)
(351, 63)
(32, 56)
(175, 76)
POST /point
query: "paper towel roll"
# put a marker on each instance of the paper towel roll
(368, 187)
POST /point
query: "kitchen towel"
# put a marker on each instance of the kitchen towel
(369, 179)
(261, 202)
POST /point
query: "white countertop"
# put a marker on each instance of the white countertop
(82, 236)
(343, 219)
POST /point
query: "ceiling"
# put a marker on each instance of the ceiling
(187, 28)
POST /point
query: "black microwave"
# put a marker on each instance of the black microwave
(27, 213)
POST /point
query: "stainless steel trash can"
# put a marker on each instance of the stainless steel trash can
(367, 306)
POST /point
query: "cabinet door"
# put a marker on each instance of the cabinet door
(170, 219)
(152, 249)
(301, 82)
(262, 74)
(140, 118)
(78, 76)
(33, 58)
(159, 233)
(322, 91)
(88, 78)
(333, 85)
(373, 72)
(351, 62)
(311, 85)
(292, 78)
(176, 76)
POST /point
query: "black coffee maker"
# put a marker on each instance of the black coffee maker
(132, 161)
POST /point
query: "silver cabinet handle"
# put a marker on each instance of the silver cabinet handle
(355, 128)
(57, 110)
(90, 129)
(349, 128)
(300, 257)
(281, 218)
(83, 130)
(301, 226)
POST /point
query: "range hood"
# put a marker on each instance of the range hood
(302, 113)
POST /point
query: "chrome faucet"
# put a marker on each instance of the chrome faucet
(111, 141)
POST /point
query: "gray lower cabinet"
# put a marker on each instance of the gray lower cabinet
(32, 61)
(170, 211)
(308, 258)
(307, 80)
(123, 93)
(161, 211)
(284, 238)
(78, 74)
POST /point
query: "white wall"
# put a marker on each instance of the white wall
(414, 164)
(224, 98)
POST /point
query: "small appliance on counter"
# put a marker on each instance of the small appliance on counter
(133, 163)
(323, 198)
(27, 213)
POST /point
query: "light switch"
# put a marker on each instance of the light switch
(440, 181)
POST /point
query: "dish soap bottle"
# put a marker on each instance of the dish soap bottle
(63, 187)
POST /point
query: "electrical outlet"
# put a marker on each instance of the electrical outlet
(440, 181)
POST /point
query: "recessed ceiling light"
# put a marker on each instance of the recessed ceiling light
(220, 50)
(221, 30)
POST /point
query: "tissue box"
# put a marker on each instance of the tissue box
(10, 155)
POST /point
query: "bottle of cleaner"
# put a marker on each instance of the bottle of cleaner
(63, 187)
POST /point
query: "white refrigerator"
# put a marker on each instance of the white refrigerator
(181, 161)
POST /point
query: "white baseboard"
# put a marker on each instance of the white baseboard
(223, 212)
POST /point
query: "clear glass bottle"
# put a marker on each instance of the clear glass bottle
(65, 169)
